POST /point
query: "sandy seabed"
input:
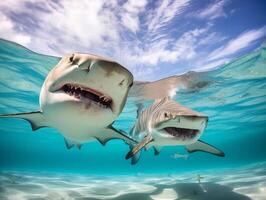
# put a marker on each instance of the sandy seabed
(228, 184)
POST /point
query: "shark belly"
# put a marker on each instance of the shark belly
(73, 126)
(79, 136)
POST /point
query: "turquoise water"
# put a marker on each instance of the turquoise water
(234, 98)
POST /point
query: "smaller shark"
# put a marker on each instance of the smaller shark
(167, 123)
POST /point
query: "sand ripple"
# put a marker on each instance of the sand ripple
(241, 184)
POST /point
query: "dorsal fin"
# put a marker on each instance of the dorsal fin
(159, 102)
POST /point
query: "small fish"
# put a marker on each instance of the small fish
(177, 155)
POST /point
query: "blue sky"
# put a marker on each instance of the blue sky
(153, 39)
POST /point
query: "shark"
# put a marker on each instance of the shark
(81, 97)
(168, 123)
(170, 86)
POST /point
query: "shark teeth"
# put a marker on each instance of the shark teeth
(181, 133)
(83, 92)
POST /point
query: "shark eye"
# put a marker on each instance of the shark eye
(165, 115)
(131, 84)
(71, 58)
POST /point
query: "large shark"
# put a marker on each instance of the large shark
(81, 97)
(167, 123)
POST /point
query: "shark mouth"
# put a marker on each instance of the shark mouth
(81, 92)
(182, 133)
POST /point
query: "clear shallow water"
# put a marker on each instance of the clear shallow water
(234, 98)
(243, 183)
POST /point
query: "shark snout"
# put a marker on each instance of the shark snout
(88, 83)
(182, 128)
(184, 121)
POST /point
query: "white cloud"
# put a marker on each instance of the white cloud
(8, 31)
(138, 34)
(204, 66)
(130, 22)
(213, 36)
(165, 12)
(167, 50)
(239, 43)
(225, 53)
(14, 4)
(100, 27)
(130, 14)
(68, 26)
(213, 11)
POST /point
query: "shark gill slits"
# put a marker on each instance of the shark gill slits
(181, 133)
(80, 92)
(84, 68)
(87, 68)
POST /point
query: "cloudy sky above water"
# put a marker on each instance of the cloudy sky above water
(154, 39)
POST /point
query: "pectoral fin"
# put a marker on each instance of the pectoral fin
(202, 146)
(109, 133)
(36, 119)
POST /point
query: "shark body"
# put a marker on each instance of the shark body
(169, 86)
(81, 97)
(167, 123)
